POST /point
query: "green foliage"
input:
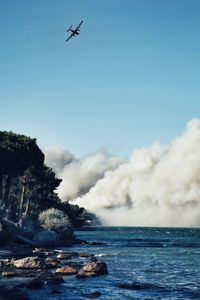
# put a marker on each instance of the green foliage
(56, 220)
(8, 231)
(18, 153)
(28, 185)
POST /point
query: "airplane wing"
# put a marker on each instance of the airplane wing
(77, 28)
(71, 35)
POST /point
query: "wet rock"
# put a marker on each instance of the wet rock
(93, 259)
(51, 278)
(46, 238)
(51, 262)
(63, 255)
(9, 274)
(71, 253)
(93, 269)
(85, 274)
(29, 263)
(12, 293)
(40, 250)
(98, 267)
(133, 286)
(5, 263)
(85, 255)
(67, 270)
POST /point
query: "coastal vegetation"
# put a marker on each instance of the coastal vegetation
(28, 197)
(35, 223)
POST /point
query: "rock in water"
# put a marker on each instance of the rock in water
(97, 267)
(93, 269)
(85, 274)
(29, 263)
(9, 274)
(46, 238)
(67, 270)
(63, 255)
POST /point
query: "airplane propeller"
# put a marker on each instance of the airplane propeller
(69, 28)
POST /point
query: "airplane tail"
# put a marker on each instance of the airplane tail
(69, 28)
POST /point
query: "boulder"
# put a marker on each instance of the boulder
(63, 255)
(9, 274)
(46, 238)
(5, 262)
(51, 278)
(29, 263)
(96, 267)
(67, 270)
(93, 269)
(85, 274)
(51, 262)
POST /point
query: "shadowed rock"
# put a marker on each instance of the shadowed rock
(46, 238)
(51, 278)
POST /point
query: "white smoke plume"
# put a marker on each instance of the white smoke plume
(159, 186)
(57, 158)
(78, 175)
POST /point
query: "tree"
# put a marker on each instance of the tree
(17, 154)
(27, 184)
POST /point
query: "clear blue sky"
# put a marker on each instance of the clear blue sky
(132, 76)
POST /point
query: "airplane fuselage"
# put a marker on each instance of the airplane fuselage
(75, 32)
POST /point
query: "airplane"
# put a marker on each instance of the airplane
(74, 31)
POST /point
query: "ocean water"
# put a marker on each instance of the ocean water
(157, 263)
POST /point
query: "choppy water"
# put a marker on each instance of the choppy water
(163, 263)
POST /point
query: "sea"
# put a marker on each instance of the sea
(143, 263)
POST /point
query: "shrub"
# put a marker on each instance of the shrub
(56, 220)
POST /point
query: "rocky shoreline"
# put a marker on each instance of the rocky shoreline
(40, 267)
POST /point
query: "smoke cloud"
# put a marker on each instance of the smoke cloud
(78, 175)
(158, 186)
